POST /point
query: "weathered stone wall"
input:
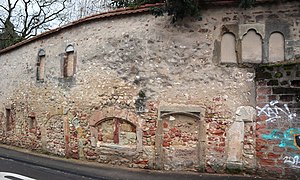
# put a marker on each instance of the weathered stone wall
(128, 90)
(277, 129)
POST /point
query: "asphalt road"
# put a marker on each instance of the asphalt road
(44, 168)
(36, 172)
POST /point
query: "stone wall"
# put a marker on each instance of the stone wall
(277, 129)
(138, 91)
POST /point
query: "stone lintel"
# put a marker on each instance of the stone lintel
(180, 109)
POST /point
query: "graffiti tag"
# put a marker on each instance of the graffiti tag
(287, 138)
(297, 140)
(273, 112)
(292, 160)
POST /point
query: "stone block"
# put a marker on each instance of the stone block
(245, 113)
(234, 167)
(235, 140)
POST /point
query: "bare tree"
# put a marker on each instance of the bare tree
(29, 17)
(22, 19)
(81, 8)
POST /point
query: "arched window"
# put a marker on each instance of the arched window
(228, 54)
(276, 47)
(252, 47)
(69, 62)
(40, 66)
(117, 131)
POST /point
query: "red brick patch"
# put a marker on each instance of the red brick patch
(267, 162)
(264, 91)
(278, 149)
(273, 156)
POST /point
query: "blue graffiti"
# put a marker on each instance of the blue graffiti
(287, 137)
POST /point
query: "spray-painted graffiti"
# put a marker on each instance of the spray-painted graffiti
(288, 138)
(273, 112)
(294, 161)
(297, 140)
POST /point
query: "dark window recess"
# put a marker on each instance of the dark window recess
(140, 103)
(31, 121)
(69, 62)
(40, 66)
(8, 119)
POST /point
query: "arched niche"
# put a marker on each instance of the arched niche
(112, 123)
(252, 47)
(228, 51)
(40, 74)
(116, 131)
(69, 48)
(69, 62)
(276, 47)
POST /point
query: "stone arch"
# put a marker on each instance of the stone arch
(192, 115)
(107, 113)
(228, 48)
(252, 47)
(276, 47)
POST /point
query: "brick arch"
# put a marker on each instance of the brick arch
(117, 131)
(113, 117)
(108, 113)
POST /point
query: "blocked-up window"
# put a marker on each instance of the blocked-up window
(252, 47)
(228, 52)
(117, 131)
(276, 47)
(41, 65)
(69, 62)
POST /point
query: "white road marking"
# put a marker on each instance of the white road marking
(10, 176)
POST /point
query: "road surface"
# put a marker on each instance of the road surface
(44, 168)
(36, 172)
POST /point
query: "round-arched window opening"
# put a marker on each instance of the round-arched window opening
(117, 131)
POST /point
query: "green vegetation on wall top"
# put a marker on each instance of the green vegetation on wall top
(178, 9)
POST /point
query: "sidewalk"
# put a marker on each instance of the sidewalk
(96, 170)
